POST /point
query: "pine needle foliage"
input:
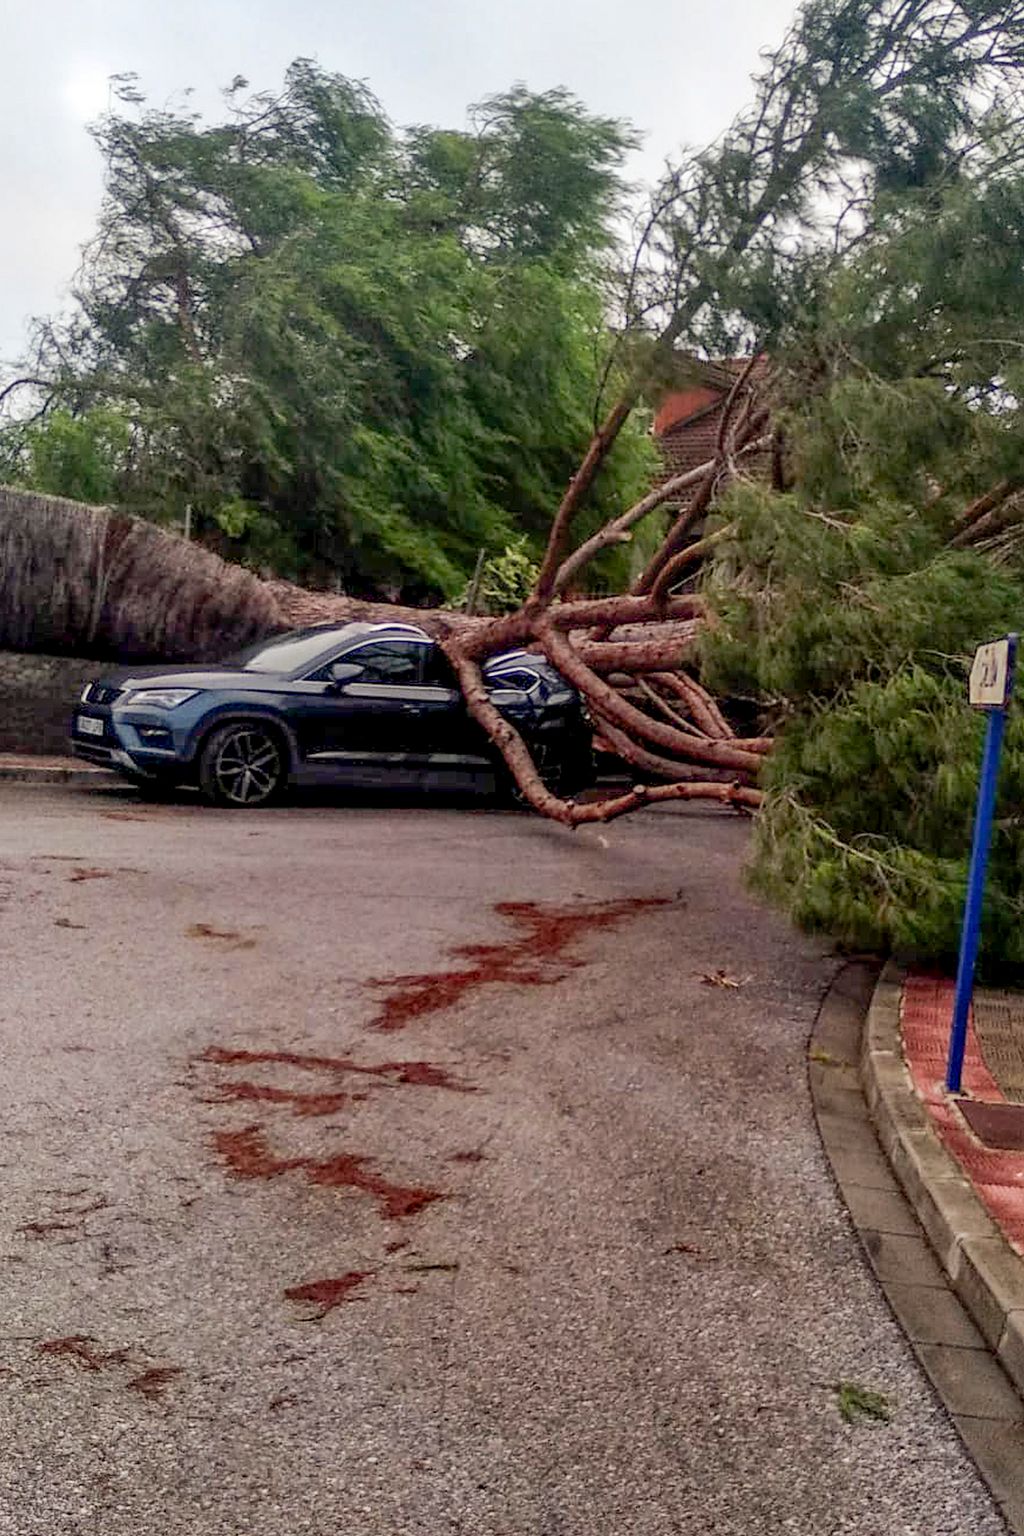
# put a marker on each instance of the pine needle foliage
(850, 604)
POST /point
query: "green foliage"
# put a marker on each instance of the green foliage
(863, 645)
(844, 604)
(76, 456)
(506, 580)
(350, 351)
(857, 1404)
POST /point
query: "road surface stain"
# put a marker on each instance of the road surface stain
(151, 1382)
(247, 1155)
(410, 1074)
(538, 955)
(325, 1295)
(81, 1349)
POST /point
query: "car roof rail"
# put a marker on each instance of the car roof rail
(507, 657)
(396, 626)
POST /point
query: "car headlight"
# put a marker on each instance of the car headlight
(84, 695)
(162, 698)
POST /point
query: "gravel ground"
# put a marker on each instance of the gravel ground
(628, 1309)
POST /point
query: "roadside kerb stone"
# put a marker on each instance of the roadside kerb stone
(985, 1273)
(50, 771)
(990, 1283)
(921, 1237)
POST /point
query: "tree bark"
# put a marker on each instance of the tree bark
(611, 706)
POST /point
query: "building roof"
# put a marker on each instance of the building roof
(688, 421)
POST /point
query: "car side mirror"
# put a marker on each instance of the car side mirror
(343, 672)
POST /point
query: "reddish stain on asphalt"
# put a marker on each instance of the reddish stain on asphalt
(43, 1229)
(80, 1348)
(152, 1382)
(538, 955)
(325, 1295)
(300, 1103)
(415, 1074)
(248, 1156)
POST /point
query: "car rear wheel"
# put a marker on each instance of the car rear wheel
(564, 773)
(242, 765)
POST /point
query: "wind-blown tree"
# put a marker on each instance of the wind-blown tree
(345, 350)
(788, 237)
(851, 604)
(863, 105)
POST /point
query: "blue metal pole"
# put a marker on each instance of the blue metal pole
(976, 886)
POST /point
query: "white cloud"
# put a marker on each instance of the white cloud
(679, 73)
(85, 91)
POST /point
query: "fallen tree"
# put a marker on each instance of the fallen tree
(91, 581)
(861, 99)
(863, 105)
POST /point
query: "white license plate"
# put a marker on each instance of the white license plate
(90, 727)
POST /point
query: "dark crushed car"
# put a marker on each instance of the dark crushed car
(364, 705)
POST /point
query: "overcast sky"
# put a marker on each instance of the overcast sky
(678, 70)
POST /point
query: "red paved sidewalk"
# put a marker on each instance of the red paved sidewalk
(995, 1028)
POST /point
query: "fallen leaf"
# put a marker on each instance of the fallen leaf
(228, 936)
(722, 979)
(825, 1058)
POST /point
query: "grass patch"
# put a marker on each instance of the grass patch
(857, 1404)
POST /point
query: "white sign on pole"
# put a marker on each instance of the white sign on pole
(990, 675)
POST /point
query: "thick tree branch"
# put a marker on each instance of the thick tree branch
(665, 709)
(698, 701)
(618, 530)
(517, 757)
(611, 706)
(687, 558)
(654, 655)
(608, 613)
(623, 746)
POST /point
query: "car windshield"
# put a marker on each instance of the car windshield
(288, 654)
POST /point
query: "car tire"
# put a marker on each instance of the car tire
(155, 791)
(564, 776)
(243, 765)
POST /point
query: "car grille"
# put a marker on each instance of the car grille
(98, 694)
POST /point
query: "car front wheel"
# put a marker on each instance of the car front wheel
(242, 765)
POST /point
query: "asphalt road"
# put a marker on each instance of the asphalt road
(607, 1292)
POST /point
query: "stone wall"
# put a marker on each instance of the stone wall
(37, 697)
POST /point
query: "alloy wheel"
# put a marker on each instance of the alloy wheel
(247, 768)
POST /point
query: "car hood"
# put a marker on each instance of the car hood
(188, 677)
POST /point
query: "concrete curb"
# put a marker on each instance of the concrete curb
(31, 772)
(940, 1268)
(981, 1266)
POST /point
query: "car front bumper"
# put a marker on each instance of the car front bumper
(139, 743)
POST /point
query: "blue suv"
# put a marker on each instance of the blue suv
(358, 704)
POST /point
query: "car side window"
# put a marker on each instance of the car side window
(389, 661)
(439, 672)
